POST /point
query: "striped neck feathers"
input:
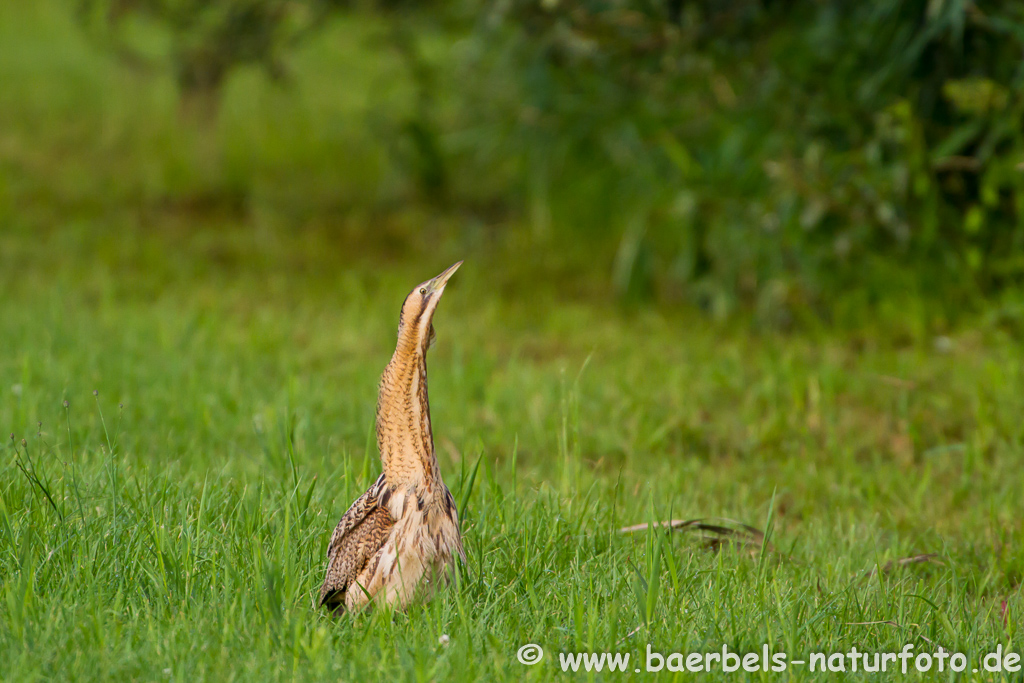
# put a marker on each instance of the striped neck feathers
(404, 433)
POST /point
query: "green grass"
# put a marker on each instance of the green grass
(173, 526)
(186, 534)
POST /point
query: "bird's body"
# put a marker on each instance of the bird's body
(404, 531)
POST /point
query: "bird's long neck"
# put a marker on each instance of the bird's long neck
(403, 419)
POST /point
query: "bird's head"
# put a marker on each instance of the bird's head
(415, 323)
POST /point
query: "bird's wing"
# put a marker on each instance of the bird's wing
(356, 513)
(357, 538)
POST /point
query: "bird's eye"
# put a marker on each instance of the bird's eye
(423, 290)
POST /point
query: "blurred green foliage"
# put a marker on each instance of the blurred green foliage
(804, 161)
(772, 153)
(206, 39)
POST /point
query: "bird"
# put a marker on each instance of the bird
(401, 537)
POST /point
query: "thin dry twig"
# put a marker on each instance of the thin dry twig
(889, 622)
(897, 564)
(629, 635)
(713, 532)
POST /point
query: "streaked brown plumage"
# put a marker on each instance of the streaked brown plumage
(404, 531)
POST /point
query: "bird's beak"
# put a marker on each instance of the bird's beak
(437, 284)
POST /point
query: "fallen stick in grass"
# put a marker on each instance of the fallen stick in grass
(714, 531)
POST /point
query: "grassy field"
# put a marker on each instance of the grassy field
(189, 387)
(173, 526)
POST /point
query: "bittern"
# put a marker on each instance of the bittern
(402, 535)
